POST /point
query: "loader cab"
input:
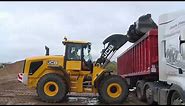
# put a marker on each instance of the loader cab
(77, 56)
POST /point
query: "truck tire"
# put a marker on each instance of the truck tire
(148, 91)
(139, 90)
(176, 99)
(113, 89)
(51, 88)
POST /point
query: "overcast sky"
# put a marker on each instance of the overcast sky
(26, 27)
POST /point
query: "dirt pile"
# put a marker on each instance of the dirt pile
(13, 68)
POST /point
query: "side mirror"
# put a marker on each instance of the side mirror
(47, 50)
(182, 46)
(182, 43)
(89, 48)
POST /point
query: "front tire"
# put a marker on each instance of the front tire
(113, 89)
(51, 88)
(176, 99)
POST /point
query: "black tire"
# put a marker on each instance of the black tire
(100, 100)
(148, 91)
(100, 96)
(99, 88)
(114, 85)
(139, 90)
(57, 83)
(176, 99)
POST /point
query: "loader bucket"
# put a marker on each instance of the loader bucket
(140, 27)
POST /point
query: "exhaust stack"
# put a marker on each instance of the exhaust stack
(47, 51)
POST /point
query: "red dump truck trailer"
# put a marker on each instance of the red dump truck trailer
(141, 59)
(155, 64)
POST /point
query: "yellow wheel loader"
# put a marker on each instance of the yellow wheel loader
(54, 77)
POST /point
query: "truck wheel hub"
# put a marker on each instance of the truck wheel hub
(176, 100)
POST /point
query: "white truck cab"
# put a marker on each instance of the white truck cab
(171, 43)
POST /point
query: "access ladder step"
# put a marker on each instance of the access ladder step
(89, 90)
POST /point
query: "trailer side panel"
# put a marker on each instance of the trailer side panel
(141, 58)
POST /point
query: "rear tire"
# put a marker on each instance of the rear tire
(149, 93)
(139, 90)
(51, 88)
(113, 89)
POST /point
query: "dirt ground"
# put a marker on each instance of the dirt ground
(13, 92)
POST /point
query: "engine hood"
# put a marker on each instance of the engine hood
(45, 57)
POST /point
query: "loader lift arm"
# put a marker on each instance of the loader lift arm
(134, 33)
(114, 42)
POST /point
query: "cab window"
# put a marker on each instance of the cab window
(74, 52)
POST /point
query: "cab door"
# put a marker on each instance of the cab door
(73, 60)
